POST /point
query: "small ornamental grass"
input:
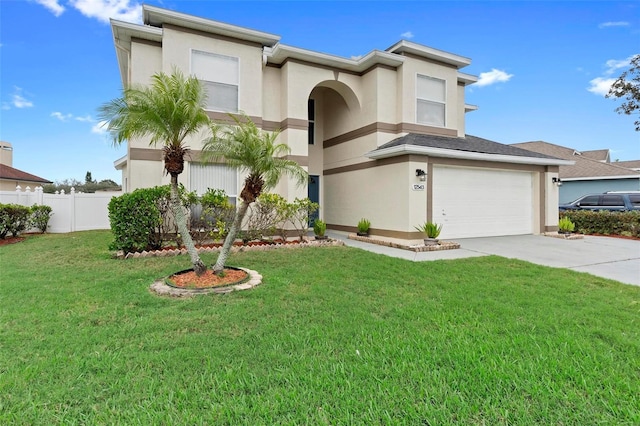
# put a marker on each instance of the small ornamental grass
(333, 336)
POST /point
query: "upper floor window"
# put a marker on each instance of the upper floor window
(431, 100)
(311, 108)
(220, 77)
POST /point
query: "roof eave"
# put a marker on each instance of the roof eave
(157, 16)
(569, 179)
(120, 163)
(463, 155)
(281, 52)
(123, 32)
(430, 53)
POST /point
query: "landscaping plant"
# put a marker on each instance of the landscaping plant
(167, 112)
(255, 152)
(363, 226)
(319, 227)
(430, 229)
(565, 225)
(39, 218)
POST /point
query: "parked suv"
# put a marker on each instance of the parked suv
(615, 201)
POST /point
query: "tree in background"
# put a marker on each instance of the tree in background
(255, 152)
(88, 178)
(627, 86)
(66, 185)
(167, 111)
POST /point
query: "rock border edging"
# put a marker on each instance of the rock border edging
(443, 245)
(162, 289)
(235, 249)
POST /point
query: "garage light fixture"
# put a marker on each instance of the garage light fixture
(422, 175)
(557, 181)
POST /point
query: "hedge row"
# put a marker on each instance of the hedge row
(605, 222)
(15, 218)
(143, 219)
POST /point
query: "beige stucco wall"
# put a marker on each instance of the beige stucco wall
(410, 70)
(11, 185)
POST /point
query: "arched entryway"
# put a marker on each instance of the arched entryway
(333, 110)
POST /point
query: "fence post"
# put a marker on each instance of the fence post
(39, 196)
(19, 194)
(72, 209)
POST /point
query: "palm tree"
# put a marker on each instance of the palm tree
(167, 111)
(251, 150)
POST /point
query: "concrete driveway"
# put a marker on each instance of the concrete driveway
(614, 258)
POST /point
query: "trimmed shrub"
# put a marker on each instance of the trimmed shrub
(40, 215)
(14, 219)
(139, 219)
(605, 222)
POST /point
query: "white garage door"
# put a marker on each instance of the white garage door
(472, 202)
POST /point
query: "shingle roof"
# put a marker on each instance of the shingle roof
(468, 143)
(584, 167)
(9, 173)
(596, 154)
(632, 164)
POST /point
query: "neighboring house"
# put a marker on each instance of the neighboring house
(592, 172)
(11, 178)
(382, 136)
(631, 164)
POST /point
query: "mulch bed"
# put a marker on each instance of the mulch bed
(208, 279)
(10, 240)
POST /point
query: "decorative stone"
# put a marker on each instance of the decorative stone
(161, 288)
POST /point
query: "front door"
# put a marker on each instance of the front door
(313, 193)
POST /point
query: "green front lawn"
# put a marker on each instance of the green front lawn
(333, 336)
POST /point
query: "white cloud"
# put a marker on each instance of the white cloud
(86, 119)
(103, 10)
(614, 24)
(356, 57)
(19, 101)
(614, 64)
(492, 77)
(60, 116)
(407, 34)
(54, 7)
(600, 86)
(99, 128)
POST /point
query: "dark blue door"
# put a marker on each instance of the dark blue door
(313, 193)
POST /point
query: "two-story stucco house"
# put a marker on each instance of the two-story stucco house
(382, 136)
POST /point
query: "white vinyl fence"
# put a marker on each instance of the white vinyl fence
(74, 211)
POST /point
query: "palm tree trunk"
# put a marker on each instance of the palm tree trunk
(231, 237)
(181, 221)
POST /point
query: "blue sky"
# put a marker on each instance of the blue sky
(543, 66)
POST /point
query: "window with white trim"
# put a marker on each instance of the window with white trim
(220, 77)
(216, 176)
(431, 101)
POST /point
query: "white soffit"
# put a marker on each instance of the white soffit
(463, 155)
(429, 53)
(157, 16)
(281, 52)
(120, 163)
(466, 78)
(601, 178)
